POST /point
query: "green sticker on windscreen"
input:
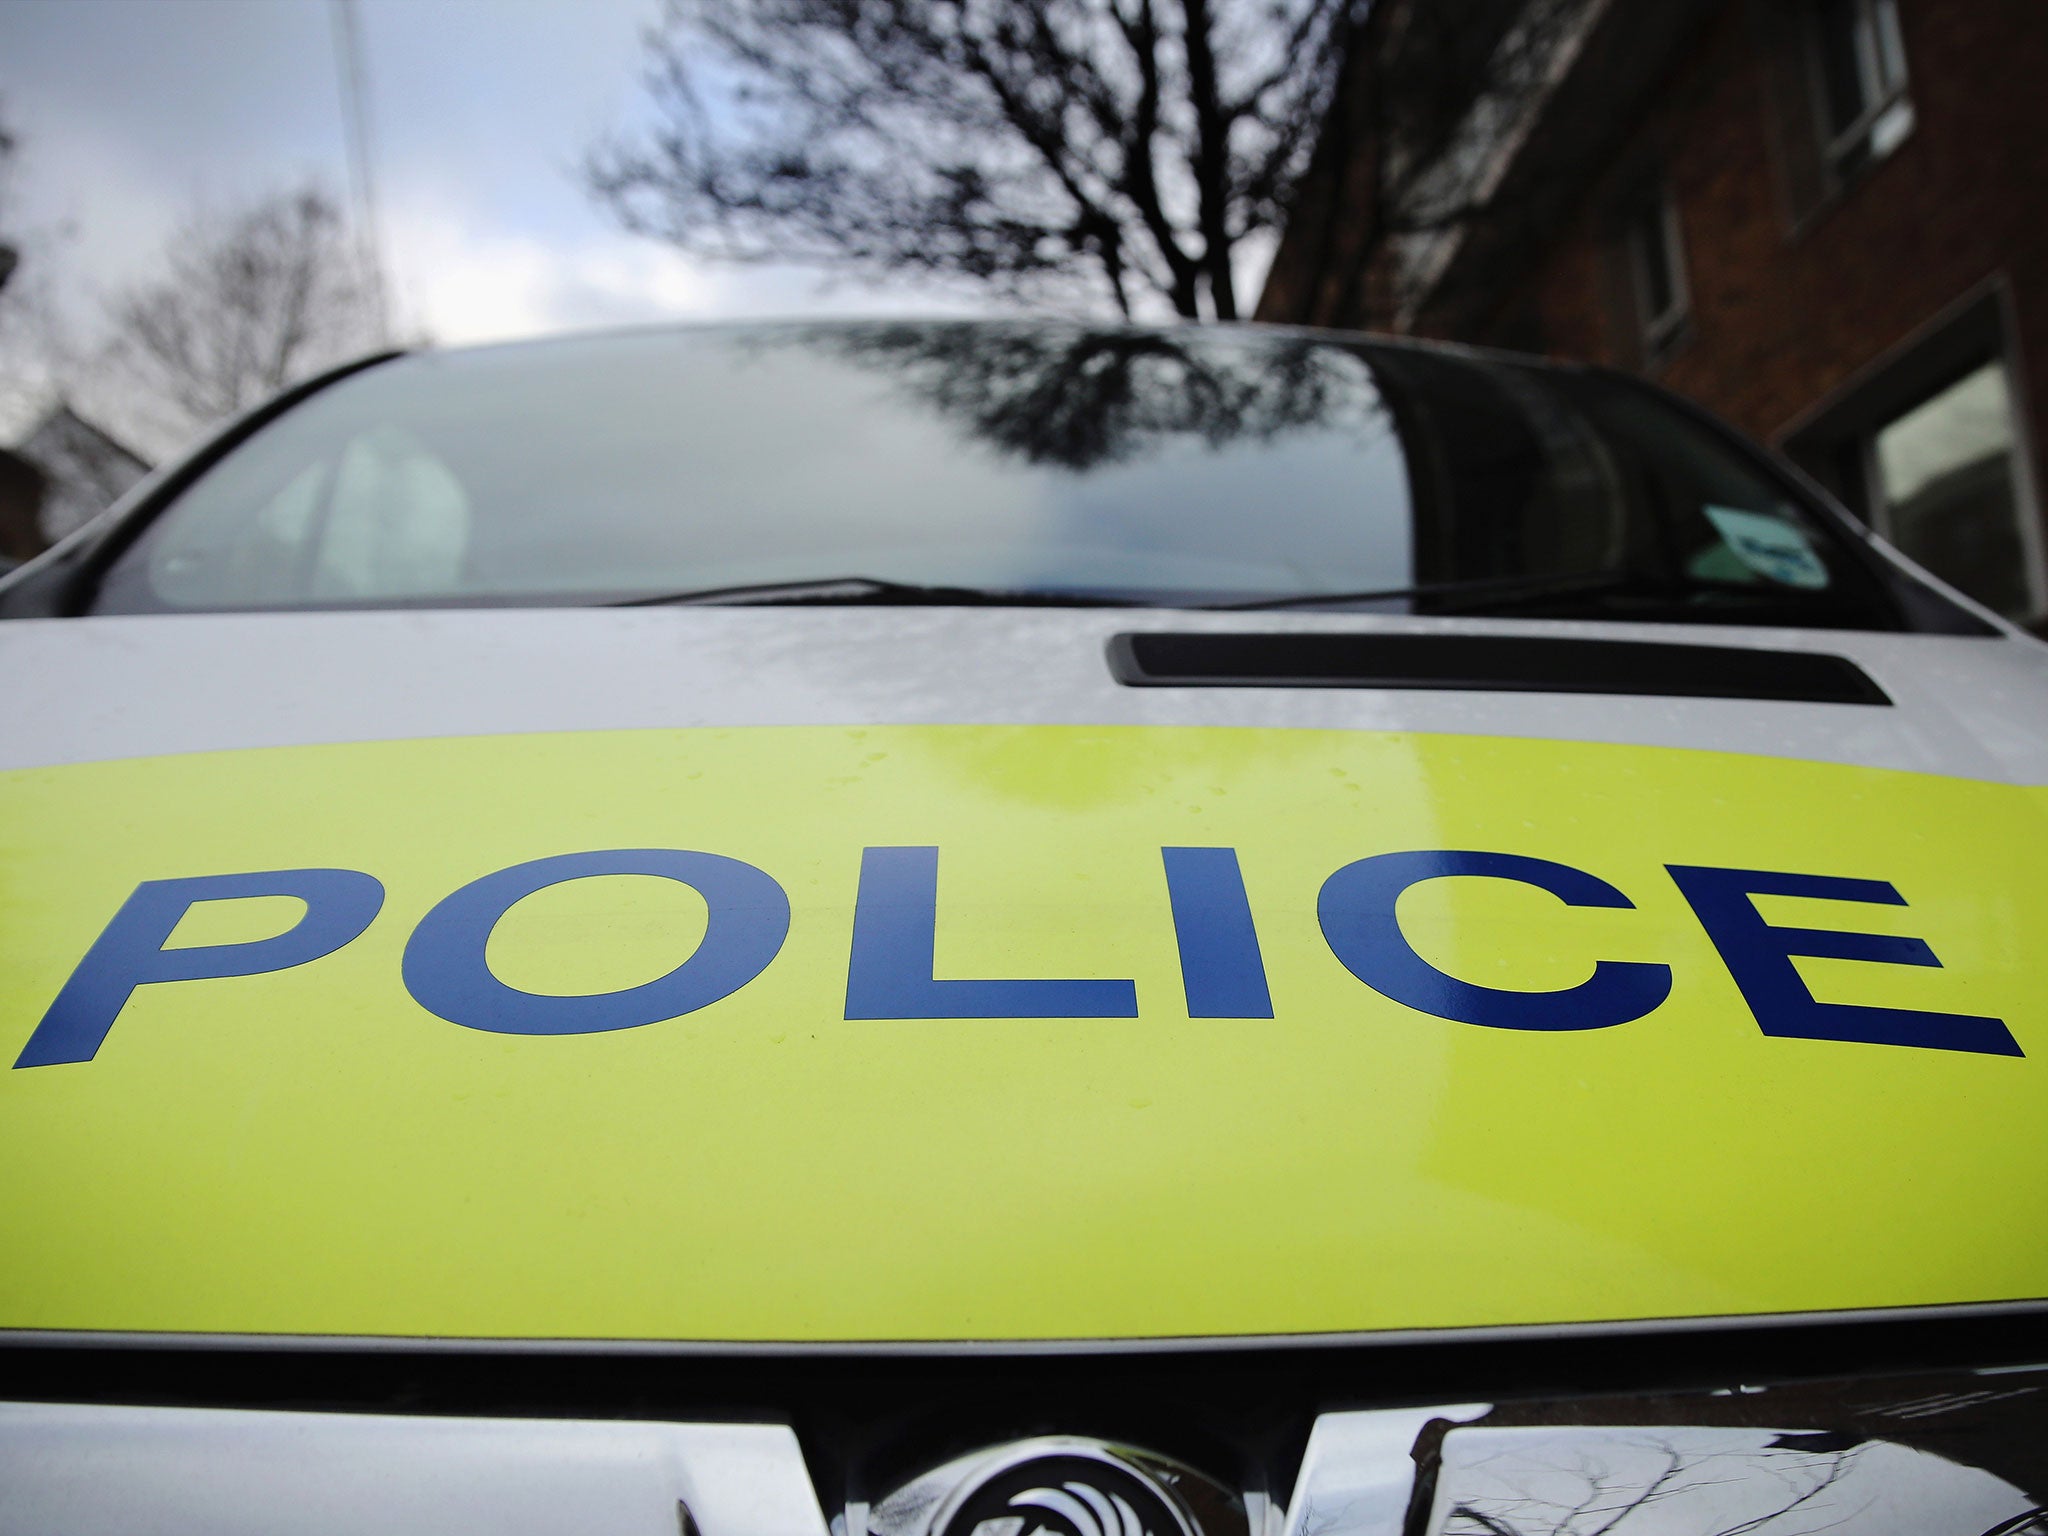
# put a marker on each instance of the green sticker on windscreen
(1770, 546)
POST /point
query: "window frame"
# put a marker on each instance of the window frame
(1876, 32)
(1836, 441)
(1650, 228)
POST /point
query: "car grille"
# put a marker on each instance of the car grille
(1928, 1424)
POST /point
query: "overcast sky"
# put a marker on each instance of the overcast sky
(130, 112)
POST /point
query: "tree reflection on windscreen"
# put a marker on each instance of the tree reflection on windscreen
(1076, 399)
(1159, 464)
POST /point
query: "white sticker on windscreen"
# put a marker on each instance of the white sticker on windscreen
(1770, 546)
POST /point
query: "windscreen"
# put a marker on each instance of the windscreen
(1016, 462)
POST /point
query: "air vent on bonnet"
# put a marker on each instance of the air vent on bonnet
(1510, 663)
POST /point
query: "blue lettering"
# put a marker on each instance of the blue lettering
(446, 972)
(889, 975)
(1759, 956)
(130, 952)
(1221, 968)
(1356, 909)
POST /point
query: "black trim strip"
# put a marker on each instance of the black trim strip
(2022, 1311)
(1487, 663)
(884, 1386)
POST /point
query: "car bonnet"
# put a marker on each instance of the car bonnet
(872, 974)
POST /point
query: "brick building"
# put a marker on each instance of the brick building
(1826, 220)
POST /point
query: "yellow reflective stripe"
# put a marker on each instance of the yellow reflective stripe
(308, 1150)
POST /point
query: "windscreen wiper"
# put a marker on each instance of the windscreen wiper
(854, 591)
(1446, 597)
(1480, 591)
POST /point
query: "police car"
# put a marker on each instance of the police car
(991, 928)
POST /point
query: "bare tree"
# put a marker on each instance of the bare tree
(247, 303)
(1129, 150)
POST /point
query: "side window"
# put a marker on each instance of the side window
(383, 517)
(1931, 451)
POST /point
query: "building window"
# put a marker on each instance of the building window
(1932, 452)
(1656, 265)
(1939, 478)
(1859, 86)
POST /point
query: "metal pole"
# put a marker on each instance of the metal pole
(348, 56)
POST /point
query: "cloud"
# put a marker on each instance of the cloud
(461, 280)
(459, 277)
